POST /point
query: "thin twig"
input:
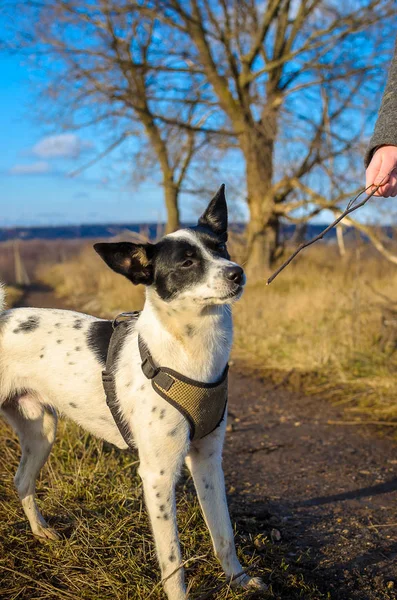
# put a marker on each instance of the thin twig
(351, 207)
(100, 155)
(218, 588)
(175, 571)
(42, 584)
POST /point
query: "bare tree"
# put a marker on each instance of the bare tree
(97, 58)
(295, 83)
(287, 84)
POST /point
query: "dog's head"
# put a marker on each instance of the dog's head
(191, 265)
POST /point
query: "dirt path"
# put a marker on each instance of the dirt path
(331, 491)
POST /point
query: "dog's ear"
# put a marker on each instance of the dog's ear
(215, 215)
(134, 261)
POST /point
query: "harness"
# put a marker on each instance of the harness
(202, 404)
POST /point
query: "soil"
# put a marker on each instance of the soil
(326, 492)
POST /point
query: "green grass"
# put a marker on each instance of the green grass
(91, 493)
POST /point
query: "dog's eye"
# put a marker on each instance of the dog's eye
(221, 247)
(187, 263)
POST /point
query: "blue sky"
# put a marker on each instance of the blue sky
(34, 164)
(35, 160)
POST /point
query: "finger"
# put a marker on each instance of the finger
(392, 191)
(393, 186)
(388, 190)
(386, 167)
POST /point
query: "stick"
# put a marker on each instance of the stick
(210, 594)
(351, 207)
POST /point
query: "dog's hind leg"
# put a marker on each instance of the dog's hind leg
(205, 464)
(35, 426)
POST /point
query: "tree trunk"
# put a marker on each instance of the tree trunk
(171, 205)
(263, 227)
(263, 243)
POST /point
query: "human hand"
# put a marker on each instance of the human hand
(382, 163)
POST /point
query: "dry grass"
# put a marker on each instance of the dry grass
(88, 283)
(93, 496)
(13, 294)
(91, 493)
(319, 322)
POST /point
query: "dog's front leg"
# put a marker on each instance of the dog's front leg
(159, 469)
(205, 464)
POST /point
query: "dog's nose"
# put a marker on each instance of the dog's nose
(235, 274)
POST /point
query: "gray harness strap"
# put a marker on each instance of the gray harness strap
(202, 404)
(120, 329)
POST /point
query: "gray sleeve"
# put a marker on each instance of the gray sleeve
(385, 133)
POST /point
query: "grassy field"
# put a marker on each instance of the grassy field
(13, 294)
(93, 497)
(317, 327)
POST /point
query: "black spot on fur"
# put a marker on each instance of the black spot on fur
(172, 558)
(77, 348)
(4, 318)
(154, 408)
(98, 339)
(165, 517)
(190, 330)
(158, 495)
(29, 325)
(73, 404)
(142, 387)
(162, 472)
(72, 363)
(172, 433)
(162, 413)
(59, 341)
(78, 324)
(162, 508)
(57, 324)
(41, 355)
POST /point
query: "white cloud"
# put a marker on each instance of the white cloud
(37, 168)
(64, 145)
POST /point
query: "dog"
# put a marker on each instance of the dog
(51, 362)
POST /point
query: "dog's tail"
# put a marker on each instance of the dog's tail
(2, 296)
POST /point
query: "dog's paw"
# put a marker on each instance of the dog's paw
(249, 583)
(46, 533)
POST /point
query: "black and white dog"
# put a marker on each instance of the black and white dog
(51, 361)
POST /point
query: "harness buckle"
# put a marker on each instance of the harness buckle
(149, 368)
(125, 317)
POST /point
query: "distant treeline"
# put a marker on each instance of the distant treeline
(152, 230)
